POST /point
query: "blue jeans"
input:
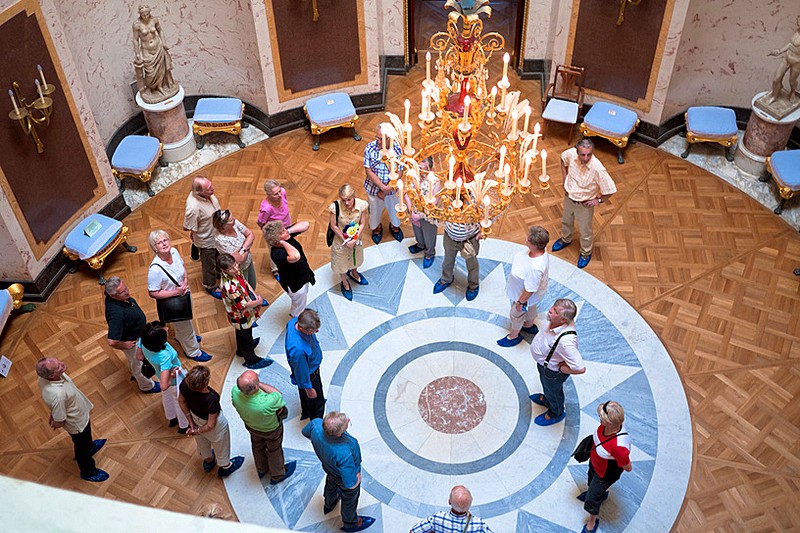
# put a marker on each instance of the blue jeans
(553, 389)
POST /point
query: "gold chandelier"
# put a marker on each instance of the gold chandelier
(482, 157)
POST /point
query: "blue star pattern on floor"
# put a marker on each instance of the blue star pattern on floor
(396, 337)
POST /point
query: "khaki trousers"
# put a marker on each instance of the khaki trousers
(576, 212)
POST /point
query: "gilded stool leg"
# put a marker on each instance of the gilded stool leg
(356, 136)
(128, 247)
(150, 192)
(764, 177)
(162, 163)
(620, 159)
(797, 271)
(778, 210)
(728, 154)
(316, 142)
(240, 142)
(685, 154)
(201, 141)
(102, 279)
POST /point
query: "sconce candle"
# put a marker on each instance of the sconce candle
(506, 59)
(39, 89)
(13, 101)
(527, 119)
(407, 105)
(41, 73)
(544, 162)
(466, 111)
(427, 66)
(494, 94)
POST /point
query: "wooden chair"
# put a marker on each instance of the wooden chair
(563, 99)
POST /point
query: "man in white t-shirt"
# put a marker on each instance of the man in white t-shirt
(201, 204)
(526, 285)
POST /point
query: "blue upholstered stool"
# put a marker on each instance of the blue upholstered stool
(711, 124)
(611, 122)
(136, 157)
(93, 239)
(330, 111)
(11, 299)
(785, 169)
(218, 114)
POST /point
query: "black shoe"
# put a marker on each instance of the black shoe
(183, 431)
(97, 477)
(173, 422)
(261, 363)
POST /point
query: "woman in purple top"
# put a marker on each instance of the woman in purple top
(276, 207)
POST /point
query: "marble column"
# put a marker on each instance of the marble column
(167, 121)
(763, 136)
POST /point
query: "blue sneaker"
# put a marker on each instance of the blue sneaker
(542, 419)
(539, 399)
(415, 248)
(202, 358)
(583, 260)
(396, 232)
(214, 293)
(97, 477)
(533, 330)
(361, 279)
(505, 342)
(440, 286)
(198, 337)
(236, 464)
(289, 468)
(560, 245)
(594, 529)
(472, 293)
(363, 523)
(156, 388)
(263, 363)
(97, 444)
(347, 293)
(427, 262)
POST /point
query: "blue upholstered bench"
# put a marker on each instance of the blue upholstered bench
(785, 169)
(93, 239)
(334, 110)
(218, 114)
(11, 299)
(611, 122)
(136, 157)
(711, 124)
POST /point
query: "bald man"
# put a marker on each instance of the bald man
(457, 520)
(201, 204)
(69, 409)
(262, 409)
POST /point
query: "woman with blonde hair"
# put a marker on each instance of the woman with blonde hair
(610, 455)
(347, 220)
(276, 207)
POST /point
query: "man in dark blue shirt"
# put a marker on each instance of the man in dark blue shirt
(340, 455)
(305, 356)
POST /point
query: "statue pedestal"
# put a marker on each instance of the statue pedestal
(167, 121)
(763, 136)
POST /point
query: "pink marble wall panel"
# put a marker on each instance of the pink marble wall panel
(722, 56)
(22, 265)
(212, 43)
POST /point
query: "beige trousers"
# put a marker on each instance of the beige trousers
(576, 212)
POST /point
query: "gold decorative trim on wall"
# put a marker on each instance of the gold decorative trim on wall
(641, 104)
(40, 246)
(285, 94)
(524, 36)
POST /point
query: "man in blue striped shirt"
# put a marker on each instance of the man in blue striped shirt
(457, 520)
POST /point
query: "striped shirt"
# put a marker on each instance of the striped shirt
(585, 182)
(461, 232)
(372, 161)
(447, 522)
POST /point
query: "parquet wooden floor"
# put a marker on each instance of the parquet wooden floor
(709, 269)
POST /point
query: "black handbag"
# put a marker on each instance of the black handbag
(174, 308)
(148, 370)
(584, 448)
(330, 235)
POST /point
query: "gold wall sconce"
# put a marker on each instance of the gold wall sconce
(36, 113)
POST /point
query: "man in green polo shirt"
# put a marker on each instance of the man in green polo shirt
(262, 408)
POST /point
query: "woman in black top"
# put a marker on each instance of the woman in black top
(296, 277)
(207, 424)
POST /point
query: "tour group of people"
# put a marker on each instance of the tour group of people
(223, 244)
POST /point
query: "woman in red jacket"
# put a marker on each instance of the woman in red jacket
(610, 456)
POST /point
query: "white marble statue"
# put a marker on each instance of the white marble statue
(152, 61)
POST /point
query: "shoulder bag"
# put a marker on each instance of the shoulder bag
(174, 308)
(584, 448)
(330, 235)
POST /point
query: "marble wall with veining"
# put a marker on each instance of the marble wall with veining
(212, 43)
(541, 25)
(722, 56)
(391, 27)
(17, 262)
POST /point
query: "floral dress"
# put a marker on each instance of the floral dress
(344, 258)
(235, 295)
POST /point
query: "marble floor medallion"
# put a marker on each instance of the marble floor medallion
(435, 402)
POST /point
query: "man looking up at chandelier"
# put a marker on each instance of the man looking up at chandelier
(376, 183)
(587, 184)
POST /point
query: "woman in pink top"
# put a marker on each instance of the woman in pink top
(276, 207)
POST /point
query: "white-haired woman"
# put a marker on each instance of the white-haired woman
(166, 278)
(609, 457)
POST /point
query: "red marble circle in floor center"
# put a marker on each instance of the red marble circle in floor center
(452, 404)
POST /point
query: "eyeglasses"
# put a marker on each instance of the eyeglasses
(225, 216)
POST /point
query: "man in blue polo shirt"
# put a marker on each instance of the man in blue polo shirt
(340, 455)
(305, 356)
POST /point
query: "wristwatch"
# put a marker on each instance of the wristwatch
(600, 200)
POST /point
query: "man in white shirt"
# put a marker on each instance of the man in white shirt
(201, 204)
(555, 350)
(526, 285)
(69, 409)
